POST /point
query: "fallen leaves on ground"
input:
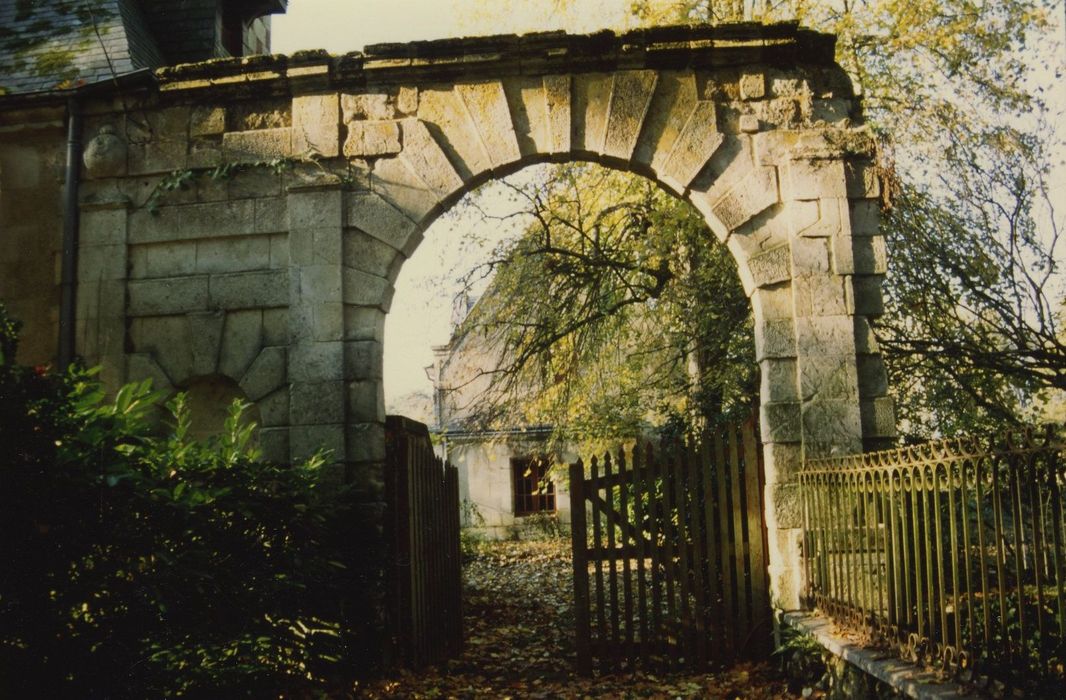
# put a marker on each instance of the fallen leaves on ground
(519, 642)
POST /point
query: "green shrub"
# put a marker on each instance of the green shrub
(140, 564)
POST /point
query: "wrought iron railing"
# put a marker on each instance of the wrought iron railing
(950, 551)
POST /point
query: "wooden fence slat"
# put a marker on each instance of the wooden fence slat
(669, 560)
(685, 637)
(726, 547)
(654, 520)
(624, 552)
(608, 465)
(639, 494)
(601, 614)
(760, 593)
(579, 539)
(686, 536)
(740, 557)
(698, 560)
(710, 551)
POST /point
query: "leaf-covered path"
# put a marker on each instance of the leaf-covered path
(519, 642)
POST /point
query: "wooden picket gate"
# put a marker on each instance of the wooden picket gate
(425, 585)
(670, 555)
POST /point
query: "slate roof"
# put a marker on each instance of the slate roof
(56, 44)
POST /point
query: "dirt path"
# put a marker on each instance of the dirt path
(518, 619)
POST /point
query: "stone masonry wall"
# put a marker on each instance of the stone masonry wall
(281, 281)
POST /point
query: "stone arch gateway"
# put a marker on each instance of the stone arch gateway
(280, 277)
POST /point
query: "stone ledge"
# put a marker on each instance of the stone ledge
(678, 46)
(905, 677)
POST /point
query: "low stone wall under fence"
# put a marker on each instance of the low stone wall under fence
(951, 552)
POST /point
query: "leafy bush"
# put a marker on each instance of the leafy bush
(140, 564)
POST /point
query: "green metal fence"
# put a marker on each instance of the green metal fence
(951, 552)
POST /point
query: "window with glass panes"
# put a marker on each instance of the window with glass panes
(534, 492)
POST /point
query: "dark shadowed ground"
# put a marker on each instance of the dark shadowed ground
(519, 642)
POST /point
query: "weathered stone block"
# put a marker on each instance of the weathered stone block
(748, 123)
(557, 104)
(274, 442)
(275, 326)
(370, 139)
(630, 97)
(773, 303)
(867, 299)
(366, 442)
(862, 179)
(865, 341)
(366, 401)
(809, 255)
(873, 380)
(101, 262)
(316, 246)
(377, 105)
(832, 422)
(207, 121)
(364, 323)
(407, 100)
(376, 217)
(250, 290)
(362, 360)
(693, 148)
(865, 217)
(452, 125)
(141, 366)
(316, 124)
(771, 267)
(778, 380)
(368, 254)
(752, 86)
(266, 373)
(255, 182)
(820, 295)
(102, 227)
(775, 339)
(274, 409)
(311, 361)
(787, 502)
(162, 260)
(825, 334)
(307, 440)
(242, 337)
(782, 461)
(205, 340)
(487, 104)
(232, 254)
(525, 99)
(270, 215)
(192, 221)
(263, 144)
(878, 418)
(167, 296)
(752, 195)
(814, 179)
(364, 289)
(166, 339)
(396, 181)
(317, 402)
(826, 376)
(315, 209)
(591, 94)
(779, 421)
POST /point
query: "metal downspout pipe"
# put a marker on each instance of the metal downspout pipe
(69, 263)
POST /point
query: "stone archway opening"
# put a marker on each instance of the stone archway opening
(489, 423)
(282, 280)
